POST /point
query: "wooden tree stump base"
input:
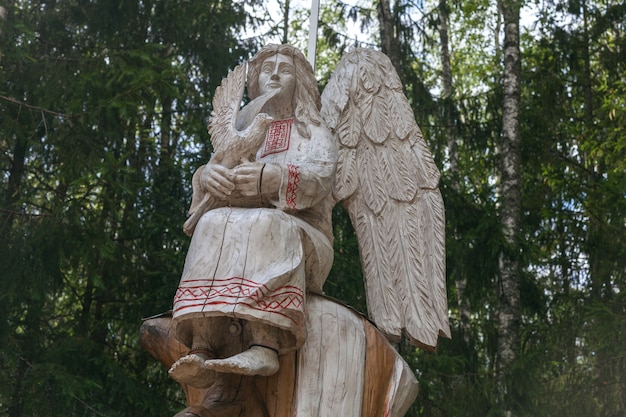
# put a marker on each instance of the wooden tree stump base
(345, 368)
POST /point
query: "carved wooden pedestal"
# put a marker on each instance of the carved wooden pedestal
(346, 368)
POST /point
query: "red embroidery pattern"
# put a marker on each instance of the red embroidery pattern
(277, 137)
(292, 185)
(232, 291)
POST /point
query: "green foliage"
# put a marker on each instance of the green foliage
(572, 237)
(103, 111)
(345, 280)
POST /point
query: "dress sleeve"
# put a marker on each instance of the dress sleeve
(309, 175)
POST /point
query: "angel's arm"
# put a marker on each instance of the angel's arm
(217, 180)
(305, 181)
(290, 183)
(202, 200)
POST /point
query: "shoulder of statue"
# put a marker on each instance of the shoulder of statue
(321, 132)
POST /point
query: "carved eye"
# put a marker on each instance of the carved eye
(266, 68)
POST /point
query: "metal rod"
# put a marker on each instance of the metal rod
(315, 10)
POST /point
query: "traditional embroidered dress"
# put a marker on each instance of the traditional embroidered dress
(256, 263)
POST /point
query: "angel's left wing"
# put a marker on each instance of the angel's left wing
(388, 181)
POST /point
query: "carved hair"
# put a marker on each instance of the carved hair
(306, 98)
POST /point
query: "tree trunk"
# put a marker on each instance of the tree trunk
(4, 12)
(286, 22)
(598, 275)
(15, 406)
(16, 174)
(453, 157)
(446, 75)
(388, 34)
(508, 321)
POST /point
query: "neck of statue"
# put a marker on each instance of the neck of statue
(278, 111)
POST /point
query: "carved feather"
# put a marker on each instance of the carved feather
(371, 177)
(226, 104)
(426, 259)
(381, 297)
(376, 118)
(426, 170)
(391, 78)
(389, 226)
(347, 176)
(402, 120)
(370, 81)
(335, 99)
(350, 127)
(395, 205)
(416, 289)
(400, 164)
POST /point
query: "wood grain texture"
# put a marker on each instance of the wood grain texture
(375, 394)
(280, 388)
(346, 368)
(331, 362)
(157, 339)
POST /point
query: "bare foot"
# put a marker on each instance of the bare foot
(190, 370)
(257, 360)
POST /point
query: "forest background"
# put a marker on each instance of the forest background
(103, 113)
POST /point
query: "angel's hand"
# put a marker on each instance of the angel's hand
(257, 178)
(247, 178)
(218, 180)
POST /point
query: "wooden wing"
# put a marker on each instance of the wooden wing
(388, 181)
(226, 105)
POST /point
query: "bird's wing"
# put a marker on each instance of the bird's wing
(226, 105)
(388, 181)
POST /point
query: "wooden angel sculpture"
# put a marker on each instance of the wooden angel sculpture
(251, 332)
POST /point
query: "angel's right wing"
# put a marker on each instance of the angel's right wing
(388, 181)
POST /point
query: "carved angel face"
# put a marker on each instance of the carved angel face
(278, 71)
